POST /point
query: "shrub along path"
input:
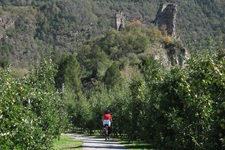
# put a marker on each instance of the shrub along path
(92, 143)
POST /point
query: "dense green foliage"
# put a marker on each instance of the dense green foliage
(112, 76)
(188, 107)
(102, 58)
(29, 109)
(69, 74)
(181, 108)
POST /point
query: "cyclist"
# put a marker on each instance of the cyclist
(107, 120)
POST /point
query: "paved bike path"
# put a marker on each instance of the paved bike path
(93, 143)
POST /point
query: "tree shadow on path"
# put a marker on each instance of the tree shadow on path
(92, 143)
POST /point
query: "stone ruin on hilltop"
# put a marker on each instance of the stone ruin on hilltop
(120, 20)
(166, 18)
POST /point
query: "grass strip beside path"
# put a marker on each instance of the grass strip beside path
(134, 145)
(67, 142)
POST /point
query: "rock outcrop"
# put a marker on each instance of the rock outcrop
(6, 22)
(166, 18)
(177, 54)
(120, 20)
(172, 54)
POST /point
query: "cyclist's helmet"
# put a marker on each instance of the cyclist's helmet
(107, 111)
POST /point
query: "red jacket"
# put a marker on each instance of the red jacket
(107, 117)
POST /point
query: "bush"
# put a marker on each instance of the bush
(29, 109)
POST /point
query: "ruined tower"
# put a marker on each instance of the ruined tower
(166, 18)
(120, 20)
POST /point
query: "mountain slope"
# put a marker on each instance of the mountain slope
(63, 25)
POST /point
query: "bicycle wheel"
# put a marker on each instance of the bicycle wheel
(106, 134)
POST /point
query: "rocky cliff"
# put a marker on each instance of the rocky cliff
(176, 53)
(5, 23)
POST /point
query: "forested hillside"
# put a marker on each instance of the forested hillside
(63, 63)
(63, 25)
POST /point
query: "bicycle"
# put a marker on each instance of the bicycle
(106, 132)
